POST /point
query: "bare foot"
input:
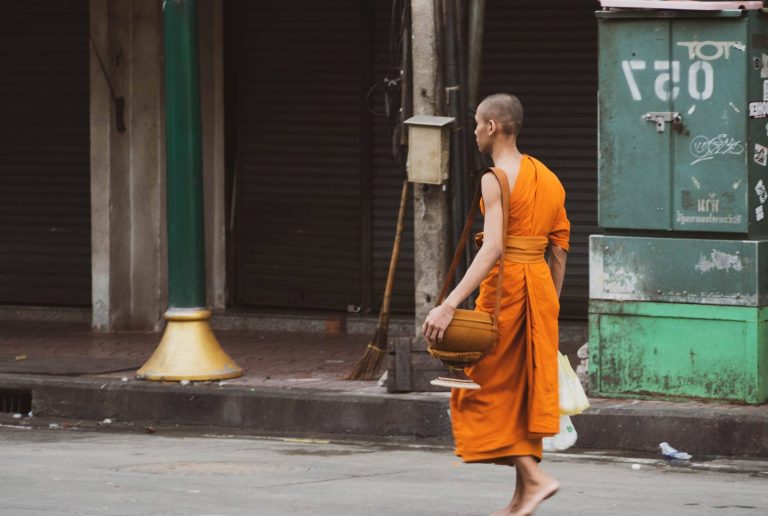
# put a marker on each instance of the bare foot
(534, 494)
(517, 498)
(511, 506)
(509, 509)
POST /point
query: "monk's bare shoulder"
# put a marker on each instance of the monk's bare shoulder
(490, 188)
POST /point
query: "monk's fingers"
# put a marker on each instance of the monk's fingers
(440, 335)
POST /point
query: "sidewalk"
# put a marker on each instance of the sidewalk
(292, 385)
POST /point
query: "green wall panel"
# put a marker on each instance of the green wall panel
(678, 350)
(686, 270)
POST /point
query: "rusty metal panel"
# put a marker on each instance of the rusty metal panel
(634, 166)
(642, 349)
(710, 152)
(679, 270)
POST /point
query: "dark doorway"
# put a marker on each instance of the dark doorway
(45, 223)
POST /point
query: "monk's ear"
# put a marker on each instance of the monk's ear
(492, 126)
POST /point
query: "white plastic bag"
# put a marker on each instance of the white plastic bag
(573, 399)
(564, 439)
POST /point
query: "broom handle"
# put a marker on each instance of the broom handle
(384, 314)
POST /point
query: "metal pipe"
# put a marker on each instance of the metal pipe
(186, 247)
(474, 71)
(454, 93)
(475, 60)
(406, 103)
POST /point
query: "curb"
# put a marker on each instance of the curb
(411, 416)
(702, 429)
(710, 429)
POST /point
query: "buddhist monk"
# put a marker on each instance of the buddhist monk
(505, 420)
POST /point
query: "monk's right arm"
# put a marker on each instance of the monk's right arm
(492, 249)
(556, 262)
(440, 317)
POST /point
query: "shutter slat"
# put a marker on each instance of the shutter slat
(298, 207)
(387, 185)
(546, 53)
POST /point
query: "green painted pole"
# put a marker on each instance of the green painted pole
(186, 246)
(189, 349)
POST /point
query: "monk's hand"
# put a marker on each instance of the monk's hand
(437, 322)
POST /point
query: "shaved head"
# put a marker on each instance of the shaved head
(505, 109)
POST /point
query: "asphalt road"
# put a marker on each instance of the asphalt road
(68, 472)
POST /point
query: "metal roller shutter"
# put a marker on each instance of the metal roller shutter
(545, 52)
(299, 209)
(387, 184)
(45, 253)
(317, 191)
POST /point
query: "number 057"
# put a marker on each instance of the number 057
(701, 79)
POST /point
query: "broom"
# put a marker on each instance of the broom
(367, 367)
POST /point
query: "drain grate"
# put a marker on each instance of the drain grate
(15, 401)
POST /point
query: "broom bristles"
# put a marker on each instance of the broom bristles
(368, 366)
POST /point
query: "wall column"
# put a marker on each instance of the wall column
(214, 185)
(128, 167)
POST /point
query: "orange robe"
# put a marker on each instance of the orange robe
(517, 403)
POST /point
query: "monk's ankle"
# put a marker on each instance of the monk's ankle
(540, 480)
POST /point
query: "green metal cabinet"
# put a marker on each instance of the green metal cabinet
(683, 133)
(679, 282)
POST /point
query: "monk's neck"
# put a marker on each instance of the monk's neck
(507, 157)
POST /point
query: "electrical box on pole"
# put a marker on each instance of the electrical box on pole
(428, 149)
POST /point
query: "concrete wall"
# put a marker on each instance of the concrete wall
(127, 187)
(128, 168)
(212, 108)
(411, 367)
